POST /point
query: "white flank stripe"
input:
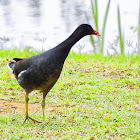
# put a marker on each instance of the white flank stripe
(21, 73)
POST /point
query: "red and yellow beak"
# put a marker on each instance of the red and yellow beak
(96, 33)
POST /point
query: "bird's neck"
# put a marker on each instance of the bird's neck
(63, 49)
(67, 44)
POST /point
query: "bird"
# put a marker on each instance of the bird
(41, 71)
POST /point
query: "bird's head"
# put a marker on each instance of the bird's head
(86, 29)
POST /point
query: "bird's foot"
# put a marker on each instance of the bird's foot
(29, 118)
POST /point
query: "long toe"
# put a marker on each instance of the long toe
(34, 120)
(29, 118)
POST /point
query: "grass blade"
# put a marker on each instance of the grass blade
(139, 31)
(121, 38)
(91, 37)
(95, 13)
(94, 7)
(138, 28)
(104, 25)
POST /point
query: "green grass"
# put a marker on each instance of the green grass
(96, 97)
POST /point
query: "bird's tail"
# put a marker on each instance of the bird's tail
(11, 65)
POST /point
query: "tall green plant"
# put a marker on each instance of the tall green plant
(91, 37)
(121, 36)
(104, 25)
(94, 7)
(139, 30)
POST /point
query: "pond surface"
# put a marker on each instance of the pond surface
(43, 24)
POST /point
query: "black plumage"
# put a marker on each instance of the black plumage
(41, 72)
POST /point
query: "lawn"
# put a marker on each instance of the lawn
(96, 97)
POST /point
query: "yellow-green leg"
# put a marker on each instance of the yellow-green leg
(26, 106)
(43, 109)
(26, 113)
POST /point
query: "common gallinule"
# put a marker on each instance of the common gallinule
(40, 72)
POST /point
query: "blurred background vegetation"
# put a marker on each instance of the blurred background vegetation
(40, 25)
(95, 12)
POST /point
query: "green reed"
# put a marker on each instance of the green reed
(103, 30)
(121, 35)
(139, 30)
(94, 8)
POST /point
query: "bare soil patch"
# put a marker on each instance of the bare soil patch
(7, 107)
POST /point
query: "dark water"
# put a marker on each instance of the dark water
(42, 24)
